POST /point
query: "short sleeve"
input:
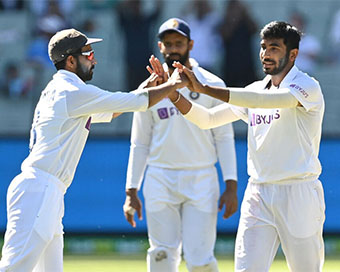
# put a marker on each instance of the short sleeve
(308, 93)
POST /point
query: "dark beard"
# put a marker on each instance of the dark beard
(282, 64)
(182, 59)
(84, 75)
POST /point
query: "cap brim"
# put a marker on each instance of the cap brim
(93, 40)
(172, 29)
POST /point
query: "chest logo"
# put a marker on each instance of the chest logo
(165, 113)
(194, 95)
(258, 119)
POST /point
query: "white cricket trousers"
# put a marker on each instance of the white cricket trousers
(290, 214)
(181, 210)
(34, 235)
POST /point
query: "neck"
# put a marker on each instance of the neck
(277, 79)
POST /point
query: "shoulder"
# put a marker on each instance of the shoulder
(208, 78)
(306, 80)
(307, 90)
(308, 86)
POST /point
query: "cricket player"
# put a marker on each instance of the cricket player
(181, 188)
(284, 200)
(61, 124)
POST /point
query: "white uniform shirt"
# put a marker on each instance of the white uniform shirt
(62, 120)
(162, 137)
(283, 144)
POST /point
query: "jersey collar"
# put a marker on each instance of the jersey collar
(286, 80)
(67, 74)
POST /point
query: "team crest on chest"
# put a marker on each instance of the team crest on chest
(194, 95)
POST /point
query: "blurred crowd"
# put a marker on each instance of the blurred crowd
(223, 39)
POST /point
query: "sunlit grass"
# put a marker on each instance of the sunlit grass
(136, 263)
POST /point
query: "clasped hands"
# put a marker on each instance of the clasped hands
(182, 76)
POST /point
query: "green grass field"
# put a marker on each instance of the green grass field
(112, 263)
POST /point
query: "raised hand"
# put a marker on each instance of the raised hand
(180, 79)
(157, 68)
(152, 81)
(194, 85)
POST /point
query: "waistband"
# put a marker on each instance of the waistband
(286, 181)
(212, 166)
(48, 177)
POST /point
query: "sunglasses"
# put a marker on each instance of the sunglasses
(89, 54)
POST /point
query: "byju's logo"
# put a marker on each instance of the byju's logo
(302, 91)
(165, 113)
(258, 119)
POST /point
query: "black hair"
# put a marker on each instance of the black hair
(62, 64)
(281, 30)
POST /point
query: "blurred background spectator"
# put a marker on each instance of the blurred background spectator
(42, 7)
(237, 30)
(11, 4)
(98, 4)
(12, 83)
(47, 25)
(334, 39)
(310, 47)
(136, 25)
(203, 21)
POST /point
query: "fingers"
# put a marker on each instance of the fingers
(130, 219)
(129, 215)
(227, 212)
(189, 74)
(139, 213)
(230, 209)
(156, 65)
(178, 65)
(149, 69)
(181, 68)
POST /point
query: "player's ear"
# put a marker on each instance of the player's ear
(70, 63)
(293, 54)
(191, 44)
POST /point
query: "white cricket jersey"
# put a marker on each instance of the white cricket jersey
(162, 137)
(62, 120)
(283, 144)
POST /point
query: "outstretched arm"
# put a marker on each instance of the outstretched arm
(242, 97)
(196, 86)
(203, 117)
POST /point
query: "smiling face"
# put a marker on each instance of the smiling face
(279, 49)
(274, 56)
(175, 47)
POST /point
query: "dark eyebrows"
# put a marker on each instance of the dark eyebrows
(274, 44)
